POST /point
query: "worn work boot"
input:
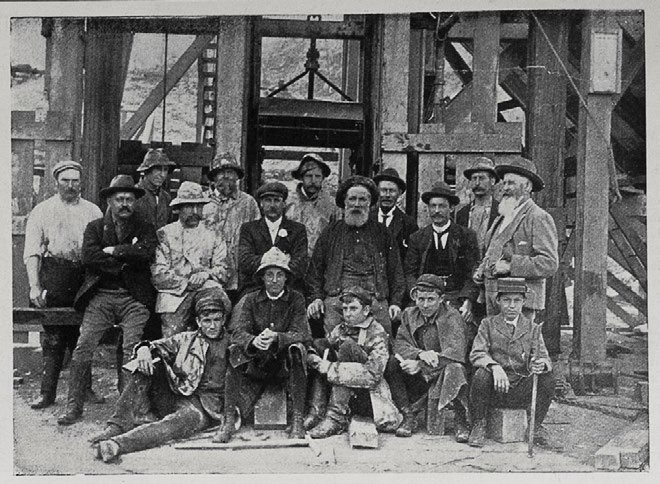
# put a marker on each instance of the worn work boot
(76, 397)
(327, 428)
(407, 427)
(297, 428)
(112, 430)
(50, 373)
(42, 401)
(477, 436)
(461, 432)
(109, 450)
(226, 430)
(317, 404)
(336, 418)
(90, 395)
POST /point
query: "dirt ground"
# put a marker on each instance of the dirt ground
(577, 430)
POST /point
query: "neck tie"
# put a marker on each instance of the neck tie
(438, 237)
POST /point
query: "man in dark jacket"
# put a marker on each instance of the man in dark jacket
(272, 230)
(268, 345)
(154, 206)
(355, 251)
(117, 251)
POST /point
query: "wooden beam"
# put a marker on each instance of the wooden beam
(57, 126)
(464, 29)
(635, 265)
(349, 29)
(619, 312)
(310, 109)
(156, 25)
(628, 294)
(155, 97)
(627, 223)
(485, 62)
(266, 444)
(47, 316)
(633, 62)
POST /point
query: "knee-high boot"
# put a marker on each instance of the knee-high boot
(76, 397)
(50, 374)
(336, 418)
(317, 403)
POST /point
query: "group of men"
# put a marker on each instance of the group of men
(297, 290)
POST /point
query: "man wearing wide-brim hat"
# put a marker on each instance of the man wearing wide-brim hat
(117, 251)
(445, 249)
(273, 229)
(522, 241)
(401, 225)
(189, 257)
(154, 206)
(228, 209)
(355, 251)
(269, 335)
(310, 204)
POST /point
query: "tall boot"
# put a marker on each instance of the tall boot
(51, 366)
(461, 432)
(232, 387)
(297, 388)
(90, 395)
(76, 397)
(318, 402)
(336, 418)
(407, 427)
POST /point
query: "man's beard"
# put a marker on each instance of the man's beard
(507, 205)
(356, 217)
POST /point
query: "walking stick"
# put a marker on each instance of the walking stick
(535, 382)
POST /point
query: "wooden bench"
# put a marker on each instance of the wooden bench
(507, 424)
(26, 320)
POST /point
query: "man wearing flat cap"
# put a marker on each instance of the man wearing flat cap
(430, 349)
(53, 259)
(522, 241)
(507, 351)
(445, 249)
(355, 251)
(354, 358)
(401, 225)
(117, 252)
(154, 206)
(228, 209)
(269, 338)
(189, 257)
(310, 204)
(180, 379)
(274, 229)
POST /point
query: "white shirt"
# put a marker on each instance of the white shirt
(273, 228)
(385, 218)
(443, 238)
(274, 298)
(513, 322)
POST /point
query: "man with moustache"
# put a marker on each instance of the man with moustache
(272, 230)
(355, 251)
(400, 224)
(117, 251)
(52, 256)
(154, 206)
(310, 204)
(228, 209)
(522, 241)
(189, 257)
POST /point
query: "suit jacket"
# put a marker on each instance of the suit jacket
(463, 214)
(157, 213)
(133, 255)
(532, 237)
(255, 241)
(463, 252)
(401, 227)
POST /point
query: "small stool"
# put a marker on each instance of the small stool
(270, 409)
(507, 424)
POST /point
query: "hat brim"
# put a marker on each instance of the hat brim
(453, 199)
(239, 171)
(272, 192)
(325, 169)
(344, 187)
(399, 182)
(198, 201)
(537, 182)
(260, 270)
(108, 191)
(170, 165)
(471, 171)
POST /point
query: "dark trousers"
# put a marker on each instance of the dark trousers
(406, 389)
(180, 416)
(483, 394)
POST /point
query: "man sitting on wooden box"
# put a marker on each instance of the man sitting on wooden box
(507, 351)
(182, 378)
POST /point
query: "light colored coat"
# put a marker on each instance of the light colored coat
(314, 213)
(182, 252)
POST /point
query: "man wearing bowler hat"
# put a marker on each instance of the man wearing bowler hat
(274, 229)
(401, 225)
(228, 209)
(189, 257)
(154, 206)
(117, 252)
(310, 204)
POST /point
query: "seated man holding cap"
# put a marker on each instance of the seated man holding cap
(507, 351)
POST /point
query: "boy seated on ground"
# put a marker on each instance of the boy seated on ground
(430, 347)
(507, 351)
(180, 378)
(357, 356)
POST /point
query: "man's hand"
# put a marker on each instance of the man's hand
(315, 309)
(500, 380)
(394, 311)
(502, 268)
(144, 361)
(313, 360)
(197, 280)
(429, 357)
(264, 340)
(410, 367)
(538, 366)
(324, 366)
(109, 250)
(466, 311)
(36, 296)
(478, 276)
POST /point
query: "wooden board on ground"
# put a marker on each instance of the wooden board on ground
(273, 444)
(628, 450)
(507, 424)
(362, 433)
(270, 410)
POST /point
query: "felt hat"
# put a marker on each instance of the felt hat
(212, 299)
(481, 164)
(308, 162)
(121, 183)
(274, 257)
(155, 157)
(224, 161)
(60, 166)
(273, 188)
(522, 166)
(353, 181)
(361, 294)
(189, 192)
(390, 174)
(441, 189)
(512, 284)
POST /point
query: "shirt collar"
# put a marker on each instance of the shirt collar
(273, 225)
(275, 298)
(514, 323)
(443, 228)
(363, 325)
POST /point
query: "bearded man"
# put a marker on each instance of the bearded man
(355, 251)
(522, 241)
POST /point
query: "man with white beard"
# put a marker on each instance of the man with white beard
(355, 251)
(522, 242)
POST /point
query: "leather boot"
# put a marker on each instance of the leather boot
(407, 427)
(224, 433)
(112, 430)
(297, 428)
(336, 418)
(317, 404)
(461, 432)
(76, 397)
(50, 374)
(90, 395)
(478, 434)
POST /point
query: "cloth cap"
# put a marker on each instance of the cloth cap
(121, 183)
(155, 157)
(481, 164)
(273, 188)
(522, 166)
(354, 181)
(224, 161)
(60, 166)
(365, 297)
(189, 192)
(512, 284)
(390, 174)
(274, 257)
(309, 162)
(430, 282)
(441, 189)
(211, 299)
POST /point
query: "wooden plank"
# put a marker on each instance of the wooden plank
(628, 450)
(628, 294)
(395, 68)
(156, 25)
(633, 62)
(155, 97)
(56, 126)
(349, 29)
(451, 143)
(47, 316)
(507, 424)
(316, 109)
(619, 312)
(485, 64)
(637, 269)
(362, 433)
(463, 31)
(266, 444)
(614, 252)
(270, 409)
(624, 220)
